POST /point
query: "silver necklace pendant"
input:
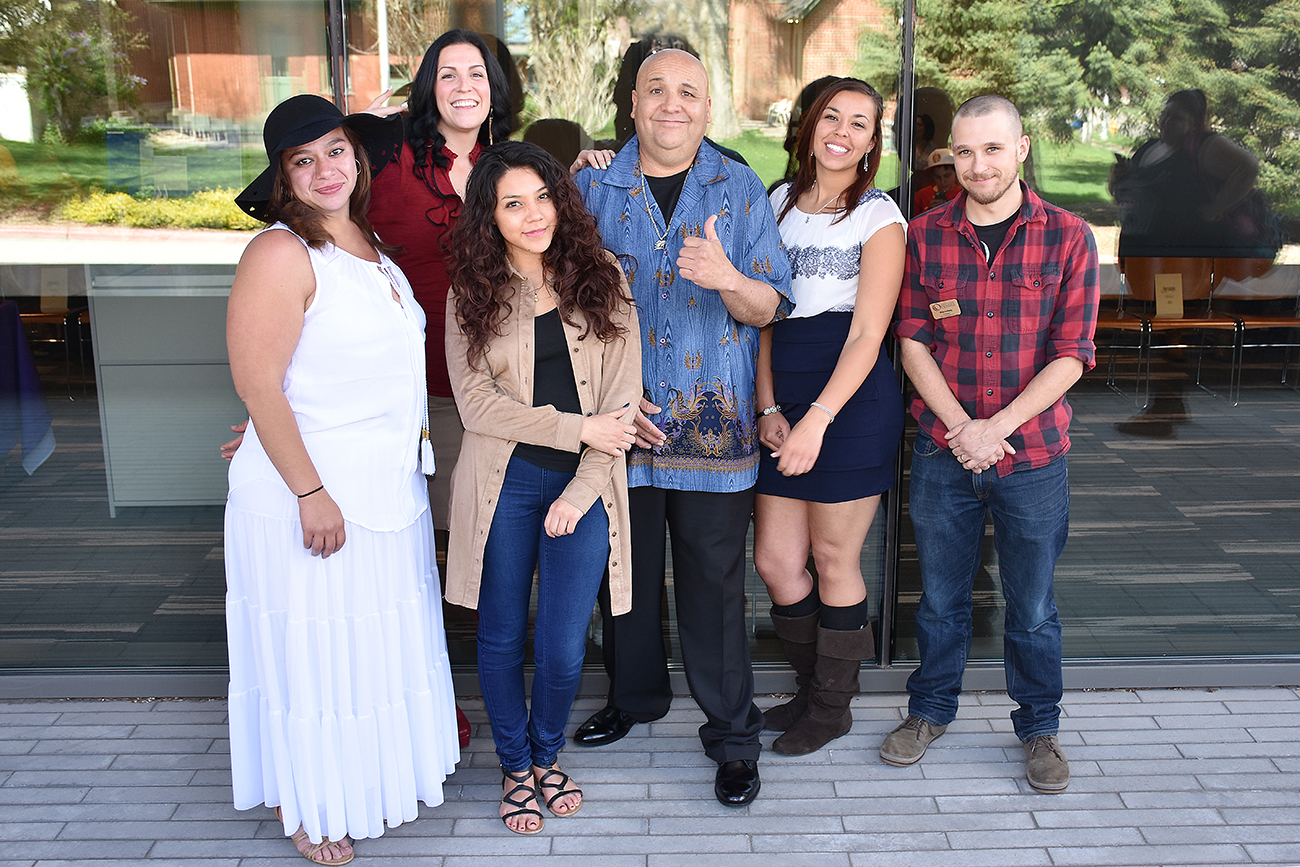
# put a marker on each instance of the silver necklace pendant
(660, 244)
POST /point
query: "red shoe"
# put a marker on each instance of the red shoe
(462, 727)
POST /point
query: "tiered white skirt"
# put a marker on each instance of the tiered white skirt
(341, 703)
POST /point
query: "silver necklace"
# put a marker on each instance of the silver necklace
(645, 203)
(808, 217)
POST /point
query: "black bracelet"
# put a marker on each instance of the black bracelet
(309, 493)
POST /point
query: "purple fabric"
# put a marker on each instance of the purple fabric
(22, 401)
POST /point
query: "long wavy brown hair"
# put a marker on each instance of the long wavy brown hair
(305, 221)
(803, 181)
(586, 280)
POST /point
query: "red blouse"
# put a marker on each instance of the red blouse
(405, 212)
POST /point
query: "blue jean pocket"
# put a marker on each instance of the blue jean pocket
(925, 446)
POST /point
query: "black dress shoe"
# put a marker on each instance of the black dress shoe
(603, 727)
(737, 782)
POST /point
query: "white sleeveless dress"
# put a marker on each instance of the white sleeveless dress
(341, 704)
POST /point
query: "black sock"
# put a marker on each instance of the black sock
(805, 606)
(847, 619)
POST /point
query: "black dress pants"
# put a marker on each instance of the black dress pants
(707, 532)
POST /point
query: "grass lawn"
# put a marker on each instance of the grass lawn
(1069, 174)
(51, 173)
(1073, 173)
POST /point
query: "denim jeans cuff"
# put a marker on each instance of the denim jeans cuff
(1027, 737)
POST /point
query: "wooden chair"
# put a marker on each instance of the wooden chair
(56, 322)
(1242, 285)
(1136, 315)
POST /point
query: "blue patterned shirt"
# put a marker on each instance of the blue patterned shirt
(697, 362)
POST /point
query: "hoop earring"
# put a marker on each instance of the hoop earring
(358, 162)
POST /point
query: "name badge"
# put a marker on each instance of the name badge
(944, 309)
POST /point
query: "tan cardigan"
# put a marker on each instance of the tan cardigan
(495, 402)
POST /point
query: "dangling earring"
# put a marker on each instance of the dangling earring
(489, 123)
(865, 157)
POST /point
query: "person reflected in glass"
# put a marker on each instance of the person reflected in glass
(922, 142)
(941, 173)
(1185, 192)
(342, 715)
(544, 355)
(831, 411)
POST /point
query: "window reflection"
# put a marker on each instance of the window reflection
(123, 122)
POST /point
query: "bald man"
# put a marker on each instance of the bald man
(706, 266)
(995, 321)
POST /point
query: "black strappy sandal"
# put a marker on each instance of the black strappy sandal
(564, 787)
(518, 797)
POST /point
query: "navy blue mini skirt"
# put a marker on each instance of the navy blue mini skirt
(858, 451)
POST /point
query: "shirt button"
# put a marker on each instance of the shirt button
(989, 392)
(663, 385)
(665, 295)
(988, 355)
(1035, 284)
(584, 382)
(993, 275)
(990, 314)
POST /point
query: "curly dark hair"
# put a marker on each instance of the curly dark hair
(586, 280)
(807, 173)
(307, 223)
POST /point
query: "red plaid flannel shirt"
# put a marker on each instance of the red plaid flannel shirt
(1036, 302)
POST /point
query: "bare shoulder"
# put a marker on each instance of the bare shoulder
(274, 268)
(276, 248)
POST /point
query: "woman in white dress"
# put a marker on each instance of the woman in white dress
(832, 411)
(341, 705)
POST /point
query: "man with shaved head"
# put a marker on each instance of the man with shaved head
(996, 321)
(704, 259)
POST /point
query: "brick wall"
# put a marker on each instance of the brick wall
(773, 60)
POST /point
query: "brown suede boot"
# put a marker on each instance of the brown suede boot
(798, 637)
(835, 682)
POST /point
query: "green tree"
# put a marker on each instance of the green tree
(76, 53)
(1061, 60)
(573, 58)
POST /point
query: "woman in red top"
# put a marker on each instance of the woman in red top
(459, 103)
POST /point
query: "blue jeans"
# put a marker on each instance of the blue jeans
(1031, 520)
(569, 569)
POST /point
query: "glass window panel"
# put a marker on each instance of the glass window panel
(128, 128)
(1182, 528)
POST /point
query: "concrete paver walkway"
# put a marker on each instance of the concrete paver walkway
(1160, 777)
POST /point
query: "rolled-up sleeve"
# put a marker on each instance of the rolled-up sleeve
(913, 318)
(1074, 321)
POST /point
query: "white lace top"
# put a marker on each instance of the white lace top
(824, 258)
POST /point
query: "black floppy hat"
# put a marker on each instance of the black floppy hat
(305, 118)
